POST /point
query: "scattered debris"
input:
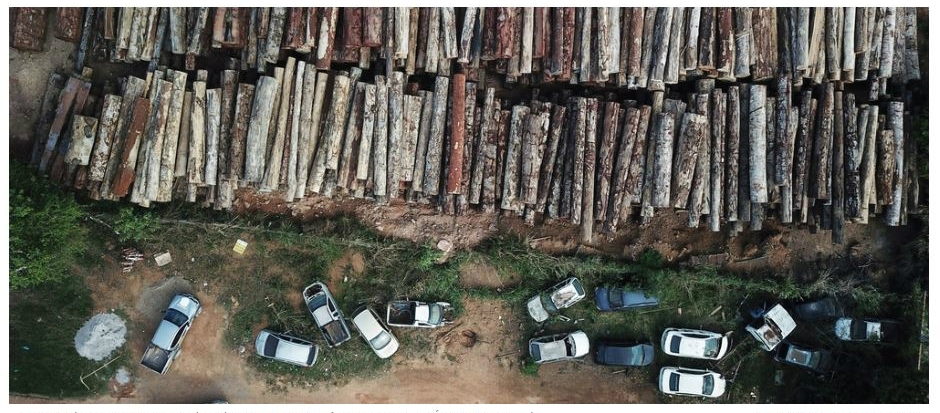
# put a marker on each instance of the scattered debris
(129, 257)
(163, 258)
(100, 336)
(712, 260)
(240, 246)
(122, 376)
(445, 245)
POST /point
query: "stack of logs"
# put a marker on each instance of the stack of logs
(728, 153)
(633, 47)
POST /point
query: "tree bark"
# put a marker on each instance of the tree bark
(641, 165)
(412, 119)
(646, 56)
(213, 127)
(690, 46)
(195, 172)
(513, 160)
(333, 128)
(764, 34)
(295, 132)
(315, 148)
(106, 132)
(528, 27)
(742, 41)
(605, 158)
(239, 130)
(172, 136)
(660, 51)
(895, 123)
(380, 139)
(491, 166)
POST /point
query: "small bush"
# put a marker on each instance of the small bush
(135, 227)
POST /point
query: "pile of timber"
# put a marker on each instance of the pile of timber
(632, 47)
(728, 154)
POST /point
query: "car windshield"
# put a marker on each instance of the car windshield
(708, 384)
(380, 341)
(674, 344)
(547, 303)
(615, 295)
(175, 317)
(434, 314)
(711, 347)
(674, 382)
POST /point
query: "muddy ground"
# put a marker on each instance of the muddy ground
(452, 373)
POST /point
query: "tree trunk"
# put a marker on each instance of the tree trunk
(674, 61)
(295, 130)
(349, 158)
(258, 126)
(124, 175)
(577, 183)
(590, 151)
(273, 171)
(380, 139)
(106, 132)
(706, 38)
(227, 119)
(895, 124)
(718, 122)
(605, 158)
(412, 119)
(887, 44)
(172, 135)
(333, 128)
(757, 144)
(487, 125)
(491, 168)
(315, 147)
(213, 126)
(83, 130)
(195, 172)
(635, 50)
(725, 44)
(458, 117)
(528, 27)
(646, 55)
(660, 51)
(368, 131)
(742, 41)
(628, 139)
(192, 45)
(838, 173)
(513, 160)
(466, 34)
(833, 43)
(786, 191)
(848, 44)
(448, 33)
(732, 143)
(182, 144)
(640, 163)
(327, 37)
(853, 157)
(549, 163)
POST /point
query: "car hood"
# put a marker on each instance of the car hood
(720, 385)
(581, 343)
(844, 328)
(389, 349)
(536, 310)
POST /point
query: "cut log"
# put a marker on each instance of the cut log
(195, 172)
(177, 23)
(316, 120)
(171, 138)
(660, 50)
(412, 59)
(368, 131)
(725, 44)
(29, 28)
(410, 128)
(432, 170)
(333, 128)
(486, 125)
(352, 27)
(349, 160)
(706, 39)
(853, 157)
(466, 34)
(732, 143)
(641, 165)
(66, 100)
(380, 139)
(562, 161)
(613, 45)
(327, 37)
(872, 138)
(784, 146)
(528, 26)
(69, 23)
(742, 41)
(646, 55)
(258, 127)
(239, 130)
(402, 17)
(567, 45)
(744, 158)
(84, 129)
(821, 172)
(372, 26)
(838, 173)
(628, 138)
(250, 52)
(895, 123)
(674, 60)
(448, 33)
(577, 180)
(717, 166)
(691, 32)
(803, 146)
(195, 35)
(148, 162)
(491, 165)
(123, 35)
(432, 54)
(272, 44)
(689, 149)
(864, 29)
(421, 150)
(395, 131)
(457, 138)
(848, 43)
(757, 143)
(513, 160)
(106, 132)
(800, 42)
(549, 160)
(590, 156)
(605, 159)
(786, 191)
(280, 119)
(227, 119)
(764, 35)
(533, 146)
(124, 175)
(213, 130)
(47, 114)
(889, 34)
(834, 43)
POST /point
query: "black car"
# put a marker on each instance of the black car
(613, 298)
(623, 353)
(819, 361)
(822, 309)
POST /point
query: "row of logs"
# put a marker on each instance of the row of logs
(731, 154)
(634, 47)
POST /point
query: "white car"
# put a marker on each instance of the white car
(562, 295)
(374, 331)
(691, 382)
(696, 344)
(558, 347)
(289, 349)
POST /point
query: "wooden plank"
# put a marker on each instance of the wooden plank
(258, 127)
(757, 143)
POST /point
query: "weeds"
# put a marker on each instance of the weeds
(137, 227)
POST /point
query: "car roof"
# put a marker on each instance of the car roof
(284, 348)
(367, 322)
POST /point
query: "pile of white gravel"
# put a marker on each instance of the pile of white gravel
(100, 336)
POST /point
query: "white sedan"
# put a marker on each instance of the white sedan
(691, 382)
(558, 347)
(374, 331)
(696, 344)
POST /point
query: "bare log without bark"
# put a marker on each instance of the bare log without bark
(258, 126)
(513, 160)
(432, 170)
(84, 129)
(380, 138)
(106, 132)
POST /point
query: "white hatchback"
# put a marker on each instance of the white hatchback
(696, 344)
(691, 382)
(374, 331)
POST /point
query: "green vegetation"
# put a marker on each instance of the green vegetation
(43, 323)
(46, 233)
(134, 226)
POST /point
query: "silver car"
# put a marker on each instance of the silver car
(289, 349)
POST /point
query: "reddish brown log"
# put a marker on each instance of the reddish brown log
(68, 22)
(227, 30)
(352, 27)
(458, 119)
(505, 29)
(125, 174)
(327, 37)
(372, 27)
(296, 28)
(567, 45)
(764, 32)
(29, 28)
